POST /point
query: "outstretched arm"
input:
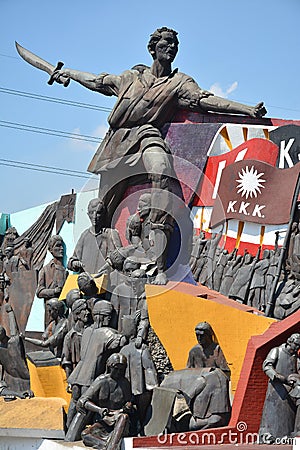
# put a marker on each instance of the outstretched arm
(34, 341)
(223, 105)
(104, 83)
(192, 97)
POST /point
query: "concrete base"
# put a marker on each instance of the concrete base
(27, 443)
(31, 443)
(29, 421)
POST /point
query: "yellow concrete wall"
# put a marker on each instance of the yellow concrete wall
(49, 382)
(174, 314)
(71, 283)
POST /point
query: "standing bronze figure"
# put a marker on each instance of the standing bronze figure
(134, 150)
(279, 411)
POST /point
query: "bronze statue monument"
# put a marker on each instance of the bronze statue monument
(134, 151)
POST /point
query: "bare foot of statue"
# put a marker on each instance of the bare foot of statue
(259, 110)
(161, 278)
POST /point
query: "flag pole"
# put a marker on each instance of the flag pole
(271, 300)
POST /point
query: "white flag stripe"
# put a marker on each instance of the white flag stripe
(199, 212)
(269, 238)
(232, 228)
(258, 132)
(219, 145)
(251, 231)
(206, 218)
(235, 133)
(196, 216)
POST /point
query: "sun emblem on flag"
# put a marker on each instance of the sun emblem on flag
(250, 182)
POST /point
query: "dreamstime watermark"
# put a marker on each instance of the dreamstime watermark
(237, 435)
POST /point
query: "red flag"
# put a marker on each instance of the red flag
(253, 191)
(259, 149)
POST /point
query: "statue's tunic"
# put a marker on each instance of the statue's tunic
(51, 276)
(97, 345)
(214, 398)
(214, 358)
(140, 369)
(126, 302)
(279, 410)
(206, 390)
(55, 334)
(71, 349)
(92, 249)
(145, 103)
(240, 284)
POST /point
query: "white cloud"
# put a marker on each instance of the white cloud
(217, 89)
(78, 145)
(100, 130)
(232, 87)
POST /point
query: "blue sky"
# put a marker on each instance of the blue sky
(247, 50)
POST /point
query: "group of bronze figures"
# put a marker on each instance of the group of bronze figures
(102, 340)
(102, 343)
(250, 279)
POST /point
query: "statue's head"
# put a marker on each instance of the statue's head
(293, 342)
(144, 204)
(27, 242)
(11, 231)
(204, 333)
(102, 312)
(116, 258)
(163, 44)
(116, 365)
(9, 251)
(57, 309)
(72, 296)
(133, 227)
(96, 212)
(80, 310)
(49, 303)
(87, 284)
(138, 278)
(130, 265)
(56, 246)
(248, 258)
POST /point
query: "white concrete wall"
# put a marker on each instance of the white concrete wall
(70, 233)
(27, 443)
